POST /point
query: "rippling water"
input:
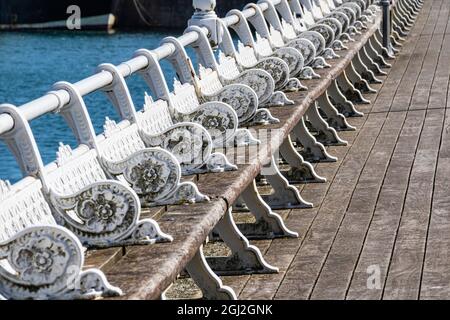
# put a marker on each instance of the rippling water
(31, 62)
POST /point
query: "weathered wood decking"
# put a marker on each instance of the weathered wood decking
(387, 201)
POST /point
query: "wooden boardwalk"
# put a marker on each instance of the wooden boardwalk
(386, 206)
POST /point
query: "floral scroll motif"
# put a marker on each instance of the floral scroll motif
(241, 98)
(277, 68)
(342, 18)
(292, 57)
(326, 32)
(100, 213)
(219, 119)
(334, 24)
(306, 48)
(316, 38)
(260, 81)
(188, 143)
(40, 260)
(47, 264)
(102, 210)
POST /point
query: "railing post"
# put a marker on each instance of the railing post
(205, 16)
(387, 26)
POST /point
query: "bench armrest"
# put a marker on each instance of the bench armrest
(104, 214)
(47, 263)
(218, 118)
(259, 80)
(240, 97)
(278, 70)
(293, 58)
(152, 173)
(189, 142)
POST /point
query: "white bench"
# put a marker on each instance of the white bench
(207, 82)
(39, 259)
(153, 127)
(249, 57)
(218, 118)
(269, 42)
(210, 81)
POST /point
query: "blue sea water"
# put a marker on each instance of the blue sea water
(31, 62)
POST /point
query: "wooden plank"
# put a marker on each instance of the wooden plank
(436, 276)
(303, 272)
(300, 221)
(381, 235)
(296, 279)
(338, 268)
(333, 281)
(405, 271)
(146, 271)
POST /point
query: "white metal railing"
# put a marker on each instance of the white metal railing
(53, 100)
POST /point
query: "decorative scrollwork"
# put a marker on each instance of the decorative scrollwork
(278, 70)
(218, 118)
(240, 97)
(306, 48)
(334, 24)
(316, 38)
(260, 81)
(47, 264)
(342, 18)
(154, 173)
(308, 74)
(279, 99)
(349, 13)
(293, 58)
(188, 142)
(326, 32)
(263, 117)
(99, 214)
(186, 192)
(354, 7)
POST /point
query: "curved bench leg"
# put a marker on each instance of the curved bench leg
(313, 151)
(278, 99)
(364, 71)
(371, 64)
(262, 117)
(285, 196)
(308, 73)
(377, 57)
(344, 106)
(350, 92)
(334, 118)
(243, 137)
(320, 63)
(379, 49)
(395, 40)
(329, 54)
(327, 135)
(269, 225)
(358, 81)
(301, 171)
(397, 37)
(210, 284)
(245, 258)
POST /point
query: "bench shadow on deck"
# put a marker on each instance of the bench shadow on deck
(380, 227)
